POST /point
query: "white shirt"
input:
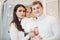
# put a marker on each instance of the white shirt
(15, 34)
(48, 27)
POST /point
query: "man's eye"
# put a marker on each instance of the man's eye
(37, 7)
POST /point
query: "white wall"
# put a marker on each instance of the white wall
(0, 20)
(52, 8)
(59, 9)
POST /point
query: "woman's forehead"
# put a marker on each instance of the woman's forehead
(21, 8)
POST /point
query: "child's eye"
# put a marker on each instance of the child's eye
(33, 8)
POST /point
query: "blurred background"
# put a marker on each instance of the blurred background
(51, 7)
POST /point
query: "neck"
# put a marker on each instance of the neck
(40, 15)
(19, 19)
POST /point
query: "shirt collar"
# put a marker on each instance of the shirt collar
(41, 17)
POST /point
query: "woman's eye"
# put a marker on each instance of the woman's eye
(24, 11)
(20, 10)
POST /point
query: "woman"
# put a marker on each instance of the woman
(16, 30)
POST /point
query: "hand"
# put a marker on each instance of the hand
(36, 31)
(31, 34)
(36, 38)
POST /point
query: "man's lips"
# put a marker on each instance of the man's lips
(36, 12)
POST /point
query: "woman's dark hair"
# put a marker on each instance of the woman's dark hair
(15, 18)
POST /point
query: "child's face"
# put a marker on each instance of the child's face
(28, 13)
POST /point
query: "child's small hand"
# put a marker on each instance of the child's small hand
(36, 31)
(36, 38)
(31, 33)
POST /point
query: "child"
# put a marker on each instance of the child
(28, 12)
(29, 25)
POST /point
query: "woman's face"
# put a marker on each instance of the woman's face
(20, 12)
(28, 13)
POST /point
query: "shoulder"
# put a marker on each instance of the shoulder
(12, 27)
(51, 17)
(24, 19)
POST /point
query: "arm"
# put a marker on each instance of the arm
(13, 32)
(55, 30)
(36, 38)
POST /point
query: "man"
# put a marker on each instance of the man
(47, 25)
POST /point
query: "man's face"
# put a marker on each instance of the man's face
(37, 10)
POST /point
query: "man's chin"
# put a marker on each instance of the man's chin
(36, 15)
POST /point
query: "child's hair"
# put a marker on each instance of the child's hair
(32, 15)
(29, 7)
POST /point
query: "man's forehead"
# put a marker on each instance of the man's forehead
(37, 5)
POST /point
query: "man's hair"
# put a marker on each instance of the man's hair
(37, 2)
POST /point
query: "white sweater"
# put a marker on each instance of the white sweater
(15, 34)
(48, 27)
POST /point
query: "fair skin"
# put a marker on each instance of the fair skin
(37, 10)
(36, 38)
(28, 13)
(20, 12)
(36, 31)
(33, 32)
